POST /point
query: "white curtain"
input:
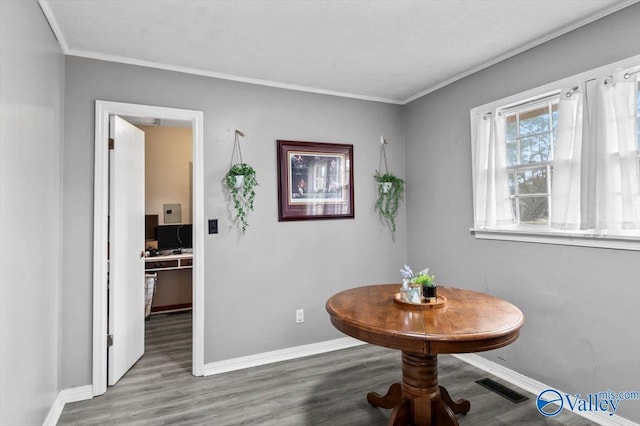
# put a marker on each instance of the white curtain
(596, 183)
(565, 185)
(617, 182)
(588, 193)
(492, 204)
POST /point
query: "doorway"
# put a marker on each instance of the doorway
(101, 189)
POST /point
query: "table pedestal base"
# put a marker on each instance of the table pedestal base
(418, 400)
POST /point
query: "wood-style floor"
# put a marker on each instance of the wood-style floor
(326, 389)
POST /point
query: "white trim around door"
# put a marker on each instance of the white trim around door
(100, 236)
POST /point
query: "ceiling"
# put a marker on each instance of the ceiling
(385, 50)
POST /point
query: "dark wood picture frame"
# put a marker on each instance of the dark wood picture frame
(315, 181)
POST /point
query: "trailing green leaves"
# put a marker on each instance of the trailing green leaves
(242, 190)
(390, 192)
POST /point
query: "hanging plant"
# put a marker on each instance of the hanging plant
(390, 191)
(241, 181)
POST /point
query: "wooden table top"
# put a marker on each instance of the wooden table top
(469, 321)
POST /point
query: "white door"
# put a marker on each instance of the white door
(126, 248)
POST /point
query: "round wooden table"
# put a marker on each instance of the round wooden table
(467, 322)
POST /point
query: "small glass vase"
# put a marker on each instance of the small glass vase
(412, 294)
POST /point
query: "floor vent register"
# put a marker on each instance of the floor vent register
(502, 390)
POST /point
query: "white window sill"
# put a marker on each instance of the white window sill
(534, 234)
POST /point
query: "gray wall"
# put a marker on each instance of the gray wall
(582, 305)
(253, 283)
(31, 98)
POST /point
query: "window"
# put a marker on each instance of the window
(531, 131)
(561, 163)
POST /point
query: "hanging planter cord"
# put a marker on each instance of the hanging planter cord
(383, 154)
(236, 154)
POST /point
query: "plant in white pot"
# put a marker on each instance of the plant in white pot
(241, 181)
(390, 192)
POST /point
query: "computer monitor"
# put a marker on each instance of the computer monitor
(174, 237)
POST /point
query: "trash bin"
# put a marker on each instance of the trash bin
(149, 291)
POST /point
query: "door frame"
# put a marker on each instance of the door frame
(100, 233)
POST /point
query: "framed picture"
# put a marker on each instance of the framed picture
(315, 181)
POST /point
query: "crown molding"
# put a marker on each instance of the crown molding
(222, 76)
(44, 4)
(523, 48)
(53, 23)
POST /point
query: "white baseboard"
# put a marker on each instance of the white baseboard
(65, 396)
(54, 412)
(535, 387)
(81, 393)
(280, 355)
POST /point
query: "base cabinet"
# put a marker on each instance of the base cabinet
(173, 290)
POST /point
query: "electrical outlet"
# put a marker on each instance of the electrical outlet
(299, 316)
